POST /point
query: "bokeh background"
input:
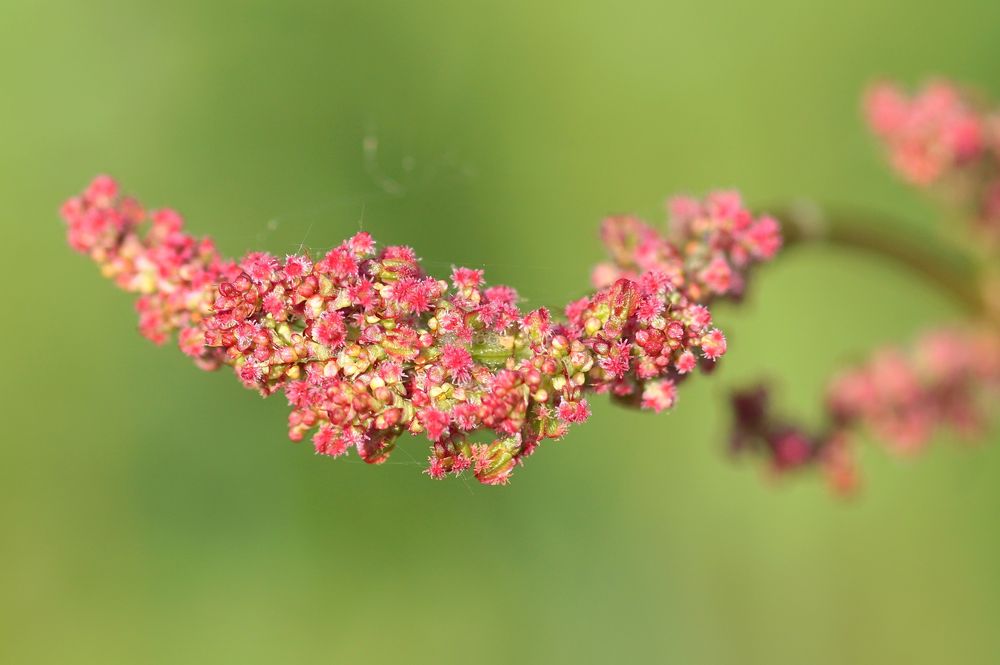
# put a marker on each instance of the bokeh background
(151, 513)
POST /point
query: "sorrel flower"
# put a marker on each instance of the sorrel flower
(706, 252)
(943, 138)
(366, 346)
(902, 397)
(935, 131)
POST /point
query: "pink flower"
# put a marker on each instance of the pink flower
(339, 262)
(501, 294)
(361, 244)
(717, 275)
(616, 362)
(261, 266)
(713, 344)
(573, 412)
(166, 221)
(935, 131)
(367, 347)
(435, 468)
(435, 422)
(327, 441)
(297, 266)
(709, 250)
(102, 192)
(458, 362)
(686, 362)
(902, 395)
(659, 395)
(466, 278)
(192, 341)
(763, 238)
(330, 330)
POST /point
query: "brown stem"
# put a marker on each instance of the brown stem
(876, 234)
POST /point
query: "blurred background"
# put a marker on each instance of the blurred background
(151, 513)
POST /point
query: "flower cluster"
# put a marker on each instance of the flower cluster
(147, 252)
(366, 347)
(902, 397)
(945, 138)
(941, 138)
(706, 252)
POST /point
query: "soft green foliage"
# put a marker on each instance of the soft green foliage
(127, 539)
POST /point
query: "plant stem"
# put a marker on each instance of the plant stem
(883, 237)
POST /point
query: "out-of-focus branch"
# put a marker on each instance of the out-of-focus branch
(881, 236)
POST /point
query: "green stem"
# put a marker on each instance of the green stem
(876, 234)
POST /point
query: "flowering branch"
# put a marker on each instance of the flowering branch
(365, 346)
(943, 140)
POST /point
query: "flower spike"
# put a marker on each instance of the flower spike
(367, 347)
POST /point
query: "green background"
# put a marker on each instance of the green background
(151, 513)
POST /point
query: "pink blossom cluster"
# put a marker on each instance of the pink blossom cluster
(707, 250)
(147, 252)
(902, 397)
(366, 346)
(942, 137)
